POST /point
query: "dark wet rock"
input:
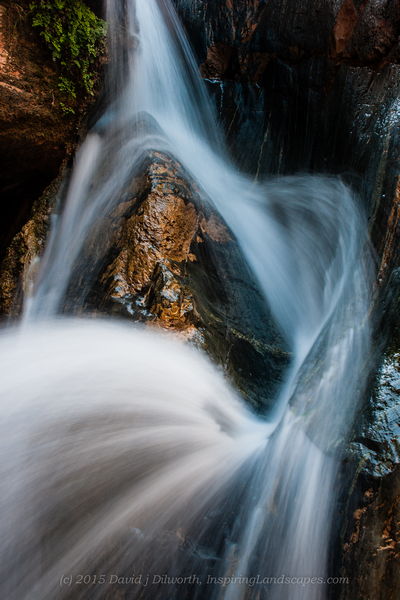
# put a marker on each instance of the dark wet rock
(371, 529)
(241, 110)
(234, 36)
(328, 87)
(371, 552)
(315, 86)
(33, 133)
(378, 440)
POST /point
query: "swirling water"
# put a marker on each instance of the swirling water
(126, 452)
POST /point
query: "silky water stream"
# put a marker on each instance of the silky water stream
(131, 468)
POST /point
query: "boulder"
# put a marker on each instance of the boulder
(164, 258)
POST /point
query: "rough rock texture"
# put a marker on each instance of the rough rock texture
(291, 99)
(315, 86)
(310, 86)
(173, 263)
(372, 542)
(371, 532)
(21, 259)
(34, 134)
(152, 247)
(164, 258)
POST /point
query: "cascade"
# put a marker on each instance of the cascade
(125, 452)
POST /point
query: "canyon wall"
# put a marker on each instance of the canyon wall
(314, 86)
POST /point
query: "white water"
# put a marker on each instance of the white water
(129, 453)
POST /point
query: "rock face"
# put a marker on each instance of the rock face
(314, 86)
(319, 78)
(311, 86)
(372, 531)
(34, 134)
(17, 269)
(175, 265)
(164, 258)
(152, 248)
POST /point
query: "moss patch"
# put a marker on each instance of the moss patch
(74, 36)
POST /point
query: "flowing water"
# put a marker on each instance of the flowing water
(126, 453)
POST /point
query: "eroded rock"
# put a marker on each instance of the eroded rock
(152, 247)
(177, 266)
(163, 257)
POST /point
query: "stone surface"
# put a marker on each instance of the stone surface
(175, 265)
(35, 136)
(371, 534)
(163, 257)
(371, 552)
(314, 86)
(20, 262)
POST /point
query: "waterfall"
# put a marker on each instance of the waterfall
(127, 454)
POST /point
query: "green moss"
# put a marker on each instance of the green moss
(75, 37)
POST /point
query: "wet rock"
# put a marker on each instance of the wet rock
(152, 245)
(343, 30)
(328, 81)
(372, 542)
(241, 110)
(367, 31)
(378, 440)
(371, 534)
(21, 260)
(176, 266)
(164, 258)
(325, 98)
